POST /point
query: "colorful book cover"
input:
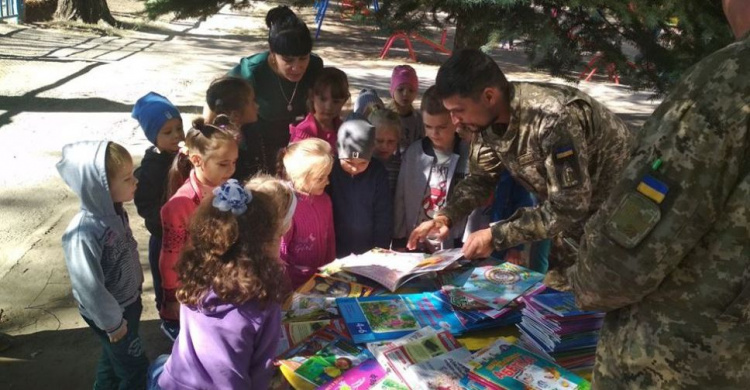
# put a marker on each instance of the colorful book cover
(497, 286)
(442, 372)
(332, 361)
(362, 377)
(312, 344)
(293, 333)
(516, 369)
(303, 307)
(390, 317)
(393, 269)
(329, 286)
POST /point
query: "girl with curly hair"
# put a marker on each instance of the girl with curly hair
(230, 292)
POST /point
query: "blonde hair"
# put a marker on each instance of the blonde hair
(280, 193)
(311, 157)
(386, 117)
(116, 158)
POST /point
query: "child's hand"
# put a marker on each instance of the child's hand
(173, 310)
(119, 333)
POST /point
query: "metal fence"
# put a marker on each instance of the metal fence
(10, 8)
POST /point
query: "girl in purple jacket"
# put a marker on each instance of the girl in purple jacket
(230, 294)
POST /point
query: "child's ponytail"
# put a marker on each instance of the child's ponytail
(178, 172)
(226, 95)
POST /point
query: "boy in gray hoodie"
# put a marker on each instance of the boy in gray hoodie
(102, 258)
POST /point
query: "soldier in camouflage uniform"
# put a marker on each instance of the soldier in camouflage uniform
(561, 144)
(668, 255)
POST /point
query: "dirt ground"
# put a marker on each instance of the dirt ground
(60, 85)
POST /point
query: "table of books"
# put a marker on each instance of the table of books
(391, 320)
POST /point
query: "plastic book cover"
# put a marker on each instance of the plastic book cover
(516, 369)
(362, 377)
(497, 286)
(332, 361)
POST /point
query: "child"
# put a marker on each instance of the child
(326, 99)
(387, 137)
(404, 87)
(212, 155)
(231, 315)
(367, 102)
(102, 258)
(233, 97)
(310, 242)
(362, 206)
(430, 169)
(162, 124)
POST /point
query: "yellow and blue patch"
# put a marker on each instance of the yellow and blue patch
(653, 188)
(561, 153)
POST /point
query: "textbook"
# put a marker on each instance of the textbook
(292, 333)
(361, 377)
(389, 317)
(425, 359)
(513, 368)
(333, 360)
(329, 286)
(393, 269)
(497, 286)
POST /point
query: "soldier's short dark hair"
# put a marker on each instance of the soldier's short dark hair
(467, 73)
(431, 103)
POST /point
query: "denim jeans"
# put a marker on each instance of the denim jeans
(122, 365)
(154, 372)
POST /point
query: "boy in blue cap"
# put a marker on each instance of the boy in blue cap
(162, 125)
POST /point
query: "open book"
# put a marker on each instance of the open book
(393, 269)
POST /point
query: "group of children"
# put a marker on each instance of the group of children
(224, 254)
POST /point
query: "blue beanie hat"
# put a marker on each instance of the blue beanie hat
(152, 111)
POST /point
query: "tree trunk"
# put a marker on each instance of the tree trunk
(470, 33)
(87, 11)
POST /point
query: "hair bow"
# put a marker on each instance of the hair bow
(231, 196)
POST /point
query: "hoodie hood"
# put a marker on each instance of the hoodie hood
(83, 169)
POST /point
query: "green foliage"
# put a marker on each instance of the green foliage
(650, 43)
(190, 8)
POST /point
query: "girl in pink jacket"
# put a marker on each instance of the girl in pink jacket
(310, 242)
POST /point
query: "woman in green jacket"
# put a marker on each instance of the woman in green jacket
(281, 78)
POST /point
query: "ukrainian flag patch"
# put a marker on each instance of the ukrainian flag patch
(561, 153)
(653, 188)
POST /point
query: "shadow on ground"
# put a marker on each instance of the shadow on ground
(26, 365)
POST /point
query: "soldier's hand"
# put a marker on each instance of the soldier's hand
(437, 227)
(478, 245)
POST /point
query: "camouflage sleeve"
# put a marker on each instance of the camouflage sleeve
(477, 188)
(568, 185)
(642, 233)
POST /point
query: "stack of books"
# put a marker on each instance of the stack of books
(504, 365)
(553, 327)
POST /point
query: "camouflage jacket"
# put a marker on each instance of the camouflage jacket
(668, 255)
(562, 145)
